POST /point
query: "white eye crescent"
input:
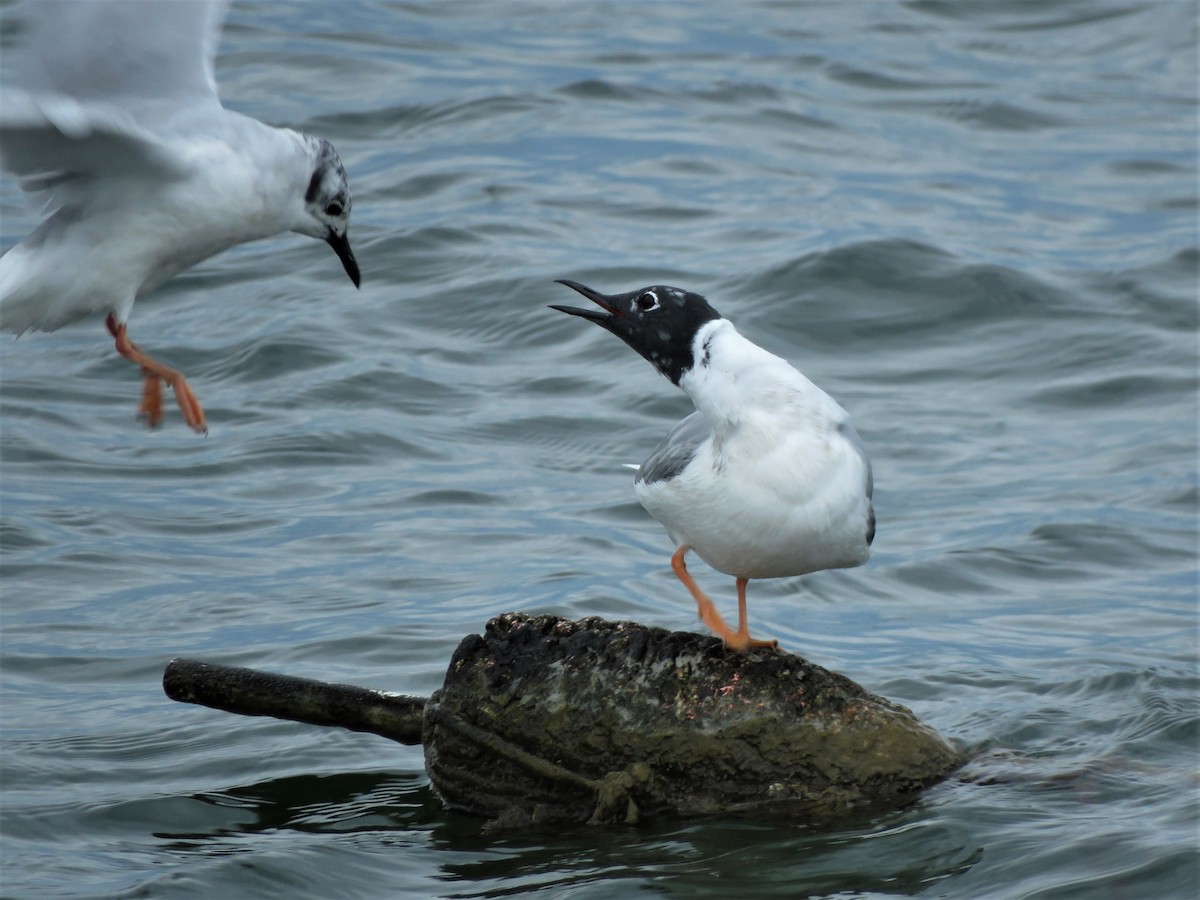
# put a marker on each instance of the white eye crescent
(648, 301)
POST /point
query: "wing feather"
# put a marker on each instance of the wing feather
(677, 449)
(110, 49)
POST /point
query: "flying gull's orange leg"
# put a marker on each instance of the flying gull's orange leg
(156, 373)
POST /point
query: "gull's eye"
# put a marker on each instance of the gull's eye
(647, 301)
(333, 209)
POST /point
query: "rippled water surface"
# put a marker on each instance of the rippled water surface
(973, 223)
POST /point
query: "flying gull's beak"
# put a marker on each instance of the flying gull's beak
(341, 246)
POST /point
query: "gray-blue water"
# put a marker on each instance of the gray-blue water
(973, 223)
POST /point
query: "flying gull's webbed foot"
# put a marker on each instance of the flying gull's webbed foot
(150, 407)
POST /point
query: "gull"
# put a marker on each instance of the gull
(113, 117)
(767, 478)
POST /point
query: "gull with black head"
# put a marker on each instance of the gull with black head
(767, 478)
(113, 116)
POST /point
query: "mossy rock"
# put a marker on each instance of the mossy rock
(544, 720)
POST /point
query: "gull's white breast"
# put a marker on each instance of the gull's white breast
(779, 488)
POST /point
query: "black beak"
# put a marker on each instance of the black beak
(605, 319)
(341, 246)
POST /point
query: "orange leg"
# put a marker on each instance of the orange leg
(743, 633)
(150, 408)
(156, 373)
(739, 640)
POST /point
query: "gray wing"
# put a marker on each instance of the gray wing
(676, 450)
(92, 81)
(55, 145)
(117, 50)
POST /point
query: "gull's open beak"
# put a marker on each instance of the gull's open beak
(605, 319)
(341, 246)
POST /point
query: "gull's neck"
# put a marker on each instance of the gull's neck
(732, 378)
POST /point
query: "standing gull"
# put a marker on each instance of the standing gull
(113, 115)
(767, 478)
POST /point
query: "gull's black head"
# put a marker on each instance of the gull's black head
(659, 322)
(327, 203)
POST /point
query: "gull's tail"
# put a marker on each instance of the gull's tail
(42, 292)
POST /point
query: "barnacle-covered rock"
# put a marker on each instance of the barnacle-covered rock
(546, 720)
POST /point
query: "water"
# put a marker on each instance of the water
(974, 224)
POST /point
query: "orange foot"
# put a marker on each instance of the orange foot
(740, 640)
(156, 373)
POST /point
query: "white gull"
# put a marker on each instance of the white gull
(767, 478)
(113, 115)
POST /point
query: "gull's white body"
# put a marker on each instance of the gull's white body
(132, 234)
(777, 484)
(115, 117)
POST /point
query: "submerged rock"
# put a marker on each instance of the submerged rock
(548, 721)
(544, 720)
